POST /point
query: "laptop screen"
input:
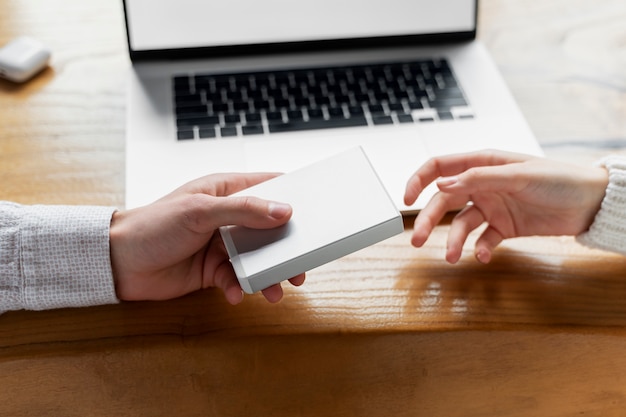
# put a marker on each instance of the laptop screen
(195, 24)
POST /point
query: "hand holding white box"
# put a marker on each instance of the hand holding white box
(324, 227)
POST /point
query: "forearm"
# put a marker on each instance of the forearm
(608, 230)
(54, 257)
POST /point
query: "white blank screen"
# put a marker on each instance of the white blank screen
(166, 24)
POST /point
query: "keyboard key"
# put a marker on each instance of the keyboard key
(198, 121)
(447, 103)
(191, 111)
(335, 113)
(230, 119)
(183, 99)
(317, 124)
(181, 83)
(300, 101)
(342, 99)
(322, 101)
(281, 103)
(445, 114)
(382, 120)
(362, 98)
(241, 106)
(253, 118)
(207, 132)
(273, 116)
(261, 104)
(252, 130)
(416, 105)
(219, 107)
(294, 115)
(228, 131)
(405, 118)
(448, 93)
(376, 109)
(316, 113)
(185, 134)
(355, 110)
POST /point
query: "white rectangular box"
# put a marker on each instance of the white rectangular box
(324, 226)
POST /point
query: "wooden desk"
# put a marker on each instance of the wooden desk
(388, 331)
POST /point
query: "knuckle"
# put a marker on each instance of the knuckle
(193, 207)
(474, 175)
(247, 204)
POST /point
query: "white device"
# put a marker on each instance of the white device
(272, 41)
(22, 58)
(323, 226)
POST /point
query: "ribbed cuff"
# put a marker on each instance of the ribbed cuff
(608, 230)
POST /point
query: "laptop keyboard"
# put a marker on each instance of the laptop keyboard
(255, 103)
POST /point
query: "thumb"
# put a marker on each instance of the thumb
(252, 212)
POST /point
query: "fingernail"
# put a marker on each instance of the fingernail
(483, 256)
(279, 210)
(447, 181)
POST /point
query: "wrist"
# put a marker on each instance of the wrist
(115, 238)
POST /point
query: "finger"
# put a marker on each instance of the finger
(218, 271)
(462, 225)
(222, 275)
(501, 178)
(225, 279)
(205, 213)
(297, 280)
(214, 256)
(486, 244)
(454, 164)
(252, 212)
(273, 294)
(420, 179)
(232, 183)
(224, 184)
(432, 213)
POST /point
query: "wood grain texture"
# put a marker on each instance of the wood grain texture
(62, 134)
(389, 330)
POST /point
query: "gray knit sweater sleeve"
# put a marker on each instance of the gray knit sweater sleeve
(608, 230)
(54, 256)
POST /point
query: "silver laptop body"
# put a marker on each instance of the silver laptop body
(244, 85)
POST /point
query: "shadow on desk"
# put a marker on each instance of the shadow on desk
(517, 290)
(29, 87)
(563, 286)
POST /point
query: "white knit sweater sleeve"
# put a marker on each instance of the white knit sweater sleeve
(608, 230)
(54, 256)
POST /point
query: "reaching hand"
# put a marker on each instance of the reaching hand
(171, 247)
(516, 195)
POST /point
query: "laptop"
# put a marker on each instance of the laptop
(245, 85)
